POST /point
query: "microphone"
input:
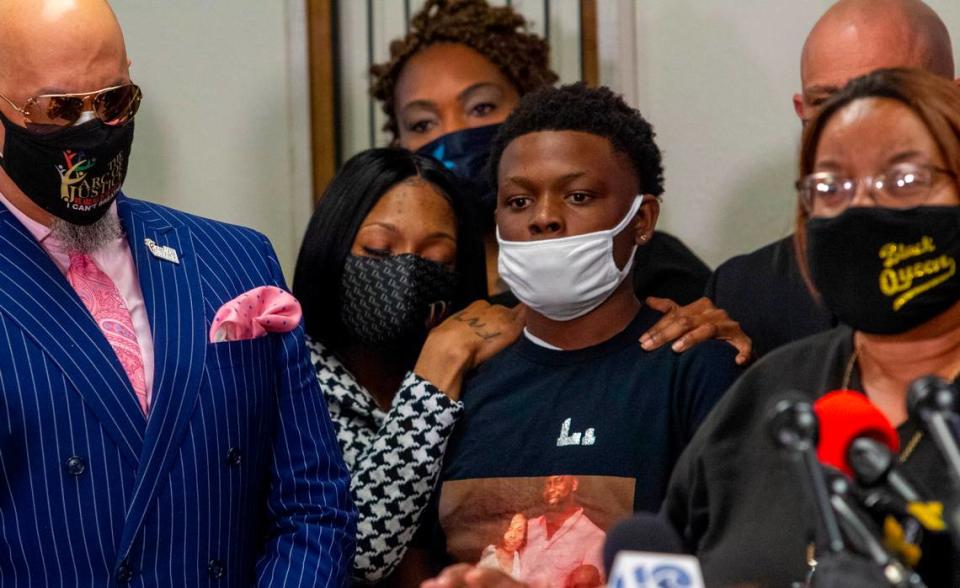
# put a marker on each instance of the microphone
(860, 441)
(873, 465)
(933, 401)
(865, 536)
(793, 427)
(857, 437)
(644, 550)
(845, 416)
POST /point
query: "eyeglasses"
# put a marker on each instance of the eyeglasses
(901, 186)
(48, 112)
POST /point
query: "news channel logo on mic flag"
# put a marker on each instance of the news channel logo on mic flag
(634, 569)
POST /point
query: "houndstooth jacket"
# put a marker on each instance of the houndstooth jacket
(394, 458)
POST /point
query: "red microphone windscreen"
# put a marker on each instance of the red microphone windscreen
(845, 415)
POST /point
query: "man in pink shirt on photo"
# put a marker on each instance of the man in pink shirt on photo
(563, 539)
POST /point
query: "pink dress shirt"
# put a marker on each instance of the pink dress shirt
(116, 260)
(549, 562)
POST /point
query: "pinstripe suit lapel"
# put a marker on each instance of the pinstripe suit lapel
(37, 297)
(174, 300)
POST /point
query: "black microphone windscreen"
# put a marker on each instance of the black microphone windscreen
(641, 532)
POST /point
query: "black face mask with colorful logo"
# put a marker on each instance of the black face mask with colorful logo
(886, 271)
(391, 303)
(74, 173)
(465, 153)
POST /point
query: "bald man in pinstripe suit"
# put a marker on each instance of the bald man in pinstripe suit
(134, 451)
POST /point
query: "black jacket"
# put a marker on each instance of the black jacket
(742, 505)
(765, 292)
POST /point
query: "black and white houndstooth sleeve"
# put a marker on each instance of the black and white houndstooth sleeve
(394, 458)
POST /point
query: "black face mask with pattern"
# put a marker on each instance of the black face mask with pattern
(390, 303)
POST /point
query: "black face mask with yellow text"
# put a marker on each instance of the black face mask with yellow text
(886, 271)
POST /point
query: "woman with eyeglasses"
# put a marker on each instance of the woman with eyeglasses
(878, 236)
(388, 255)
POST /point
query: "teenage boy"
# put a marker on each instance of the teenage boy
(578, 176)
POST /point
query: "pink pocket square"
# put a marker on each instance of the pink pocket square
(255, 313)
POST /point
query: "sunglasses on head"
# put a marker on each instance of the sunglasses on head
(49, 112)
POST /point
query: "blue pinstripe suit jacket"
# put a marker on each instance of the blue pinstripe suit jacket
(235, 479)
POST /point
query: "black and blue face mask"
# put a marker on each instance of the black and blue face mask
(465, 153)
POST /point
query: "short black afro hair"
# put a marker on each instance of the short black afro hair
(598, 111)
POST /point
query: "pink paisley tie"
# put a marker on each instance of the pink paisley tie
(103, 300)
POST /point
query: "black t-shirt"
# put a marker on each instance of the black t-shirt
(605, 424)
(664, 267)
(742, 506)
(765, 292)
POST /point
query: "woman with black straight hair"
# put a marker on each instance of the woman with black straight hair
(358, 187)
(386, 275)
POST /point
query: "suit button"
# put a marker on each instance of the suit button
(215, 569)
(75, 466)
(234, 457)
(125, 573)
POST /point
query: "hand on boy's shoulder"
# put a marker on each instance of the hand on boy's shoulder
(688, 326)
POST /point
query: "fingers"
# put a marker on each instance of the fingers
(744, 347)
(687, 326)
(668, 329)
(518, 316)
(676, 322)
(696, 335)
(718, 326)
(663, 305)
(520, 313)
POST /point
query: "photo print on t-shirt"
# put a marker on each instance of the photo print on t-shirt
(547, 531)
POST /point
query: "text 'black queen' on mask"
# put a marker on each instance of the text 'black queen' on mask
(390, 303)
(74, 173)
(465, 153)
(886, 271)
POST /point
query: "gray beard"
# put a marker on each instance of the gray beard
(86, 238)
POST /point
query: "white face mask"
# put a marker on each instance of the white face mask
(565, 278)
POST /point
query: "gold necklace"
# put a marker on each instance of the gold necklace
(911, 445)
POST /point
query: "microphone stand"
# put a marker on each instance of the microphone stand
(794, 427)
(934, 402)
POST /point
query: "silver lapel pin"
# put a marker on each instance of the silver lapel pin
(162, 251)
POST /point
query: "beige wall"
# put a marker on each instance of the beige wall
(224, 127)
(224, 130)
(716, 77)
